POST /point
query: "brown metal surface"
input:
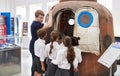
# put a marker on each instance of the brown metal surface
(78, 0)
(89, 65)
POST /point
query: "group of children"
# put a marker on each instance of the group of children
(61, 58)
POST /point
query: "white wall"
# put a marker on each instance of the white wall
(113, 7)
(116, 17)
(2, 6)
(106, 3)
(27, 4)
(7, 6)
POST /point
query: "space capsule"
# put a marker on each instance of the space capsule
(93, 23)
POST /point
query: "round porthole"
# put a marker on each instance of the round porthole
(85, 19)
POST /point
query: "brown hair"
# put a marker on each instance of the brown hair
(53, 36)
(70, 52)
(41, 33)
(39, 12)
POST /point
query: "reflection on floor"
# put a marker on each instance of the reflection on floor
(26, 63)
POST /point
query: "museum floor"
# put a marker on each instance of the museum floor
(26, 64)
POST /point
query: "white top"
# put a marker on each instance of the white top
(56, 48)
(78, 54)
(39, 49)
(61, 59)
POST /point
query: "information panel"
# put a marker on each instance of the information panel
(110, 55)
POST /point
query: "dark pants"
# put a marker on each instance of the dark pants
(31, 49)
(72, 73)
(33, 56)
(51, 69)
(71, 70)
(36, 66)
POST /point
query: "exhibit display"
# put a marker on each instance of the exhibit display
(10, 56)
(93, 23)
(10, 49)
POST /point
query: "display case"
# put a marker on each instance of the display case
(10, 55)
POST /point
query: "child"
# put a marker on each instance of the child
(52, 48)
(38, 63)
(65, 58)
(75, 43)
(79, 58)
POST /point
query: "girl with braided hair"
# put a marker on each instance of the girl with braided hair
(65, 58)
(52, 48)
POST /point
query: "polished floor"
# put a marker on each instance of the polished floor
(26, 63)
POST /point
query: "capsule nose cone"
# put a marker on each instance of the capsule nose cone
(78, 0)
